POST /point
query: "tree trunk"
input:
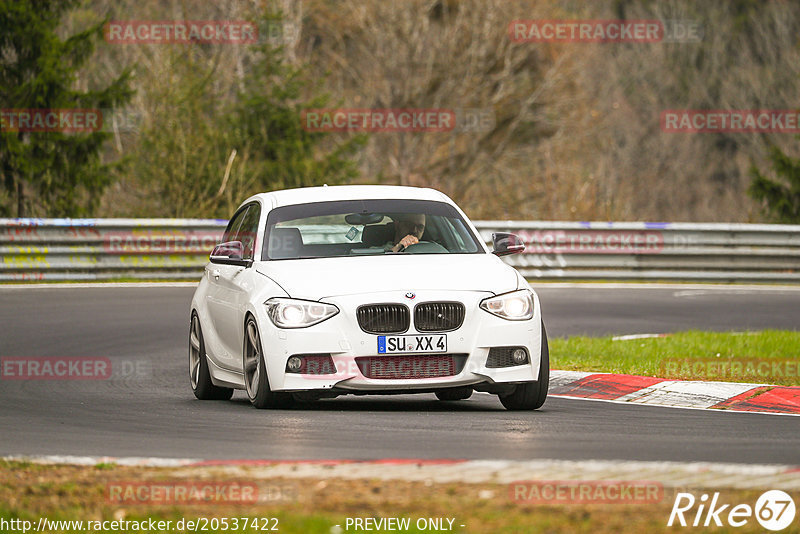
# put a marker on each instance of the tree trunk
(20, 199)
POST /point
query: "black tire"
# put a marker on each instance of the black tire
(454, 394)
(256, 380)
(199, 377)
(531, 395)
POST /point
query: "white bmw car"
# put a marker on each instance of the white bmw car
(324, 291)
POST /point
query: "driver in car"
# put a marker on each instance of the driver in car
(408, 230)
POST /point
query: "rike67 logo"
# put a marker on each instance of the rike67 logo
(774, 510)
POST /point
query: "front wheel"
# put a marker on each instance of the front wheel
(199, 377)
(531, 395)
(255, 372)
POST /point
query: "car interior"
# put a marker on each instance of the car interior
(287, 242)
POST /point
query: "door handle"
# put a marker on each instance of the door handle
(215, 274)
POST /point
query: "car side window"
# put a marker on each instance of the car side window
(248, 229)
(233, 226)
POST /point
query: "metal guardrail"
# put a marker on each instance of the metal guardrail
(103, 249)
(174, 249)
(655, 251)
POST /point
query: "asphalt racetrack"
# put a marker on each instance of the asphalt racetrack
(151, 412)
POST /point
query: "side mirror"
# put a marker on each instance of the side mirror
(230, 253)
(505, 244)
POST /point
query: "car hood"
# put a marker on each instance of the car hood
(328, 277)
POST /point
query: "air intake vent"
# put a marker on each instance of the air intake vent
(438, 316)
(383, 318)
(411, 366)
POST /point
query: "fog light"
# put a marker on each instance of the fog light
(519, 356)
(294, 364)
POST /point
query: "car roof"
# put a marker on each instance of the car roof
(305, 195)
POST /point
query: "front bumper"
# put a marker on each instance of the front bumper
(342, 338)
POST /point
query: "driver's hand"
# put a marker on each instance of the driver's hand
(406, 242)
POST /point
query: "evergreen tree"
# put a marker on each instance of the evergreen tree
(57, 171)
(204, 151)
(781, 198)
(267, 122)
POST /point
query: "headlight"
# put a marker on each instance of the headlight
(293, 313)
(514, 306)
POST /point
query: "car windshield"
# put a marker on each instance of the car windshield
(366, 227)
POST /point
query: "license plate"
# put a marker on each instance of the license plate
(411, 344)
